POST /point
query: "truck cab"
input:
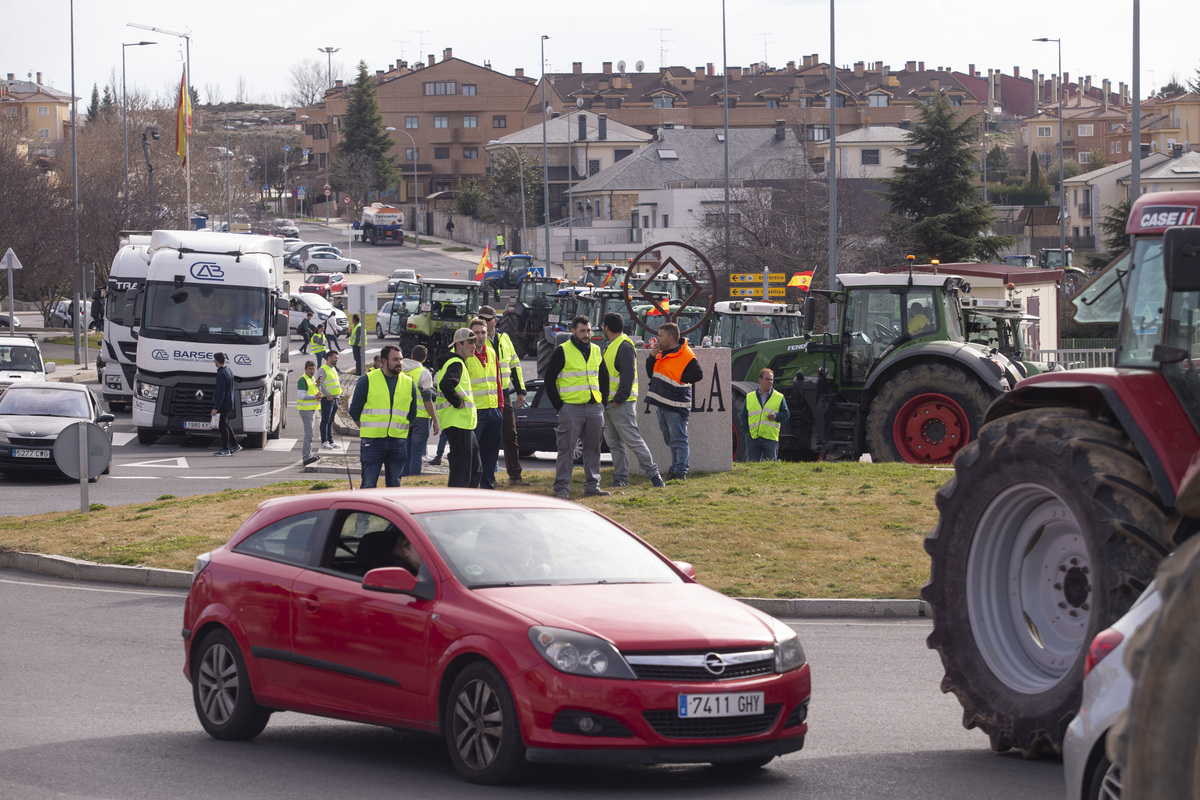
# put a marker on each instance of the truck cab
(118, 359)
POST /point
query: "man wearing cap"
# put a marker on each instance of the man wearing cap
(573, 385)
(510, 378)
(384, 406)
(455, 409)
(484, 369)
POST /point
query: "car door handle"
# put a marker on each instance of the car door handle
(310, 603)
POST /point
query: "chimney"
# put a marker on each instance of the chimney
(1121, 94)
(971, 70)
(1016, 72)
(806, 61)
(1066, 81)
(859, 69)
(735, 73)
(1176, 150)
(576, 67)
(878, 66)
(791, 67)
(780, 130)
(935, 84)
(519, 72)
(602, 127)
(379, 72)
(699, 73)
(337, 84)
(711, 72)
(905, 124)
(910, 66)
(606, 68)
(1106, 90)
(1145, 149)
(582, 127)
(39, 79)
(431, 60)
(920, 66)
(447, 54)
(1037, 91)
(11, 76)
(884, 71)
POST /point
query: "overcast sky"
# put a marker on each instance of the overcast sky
(256, 41)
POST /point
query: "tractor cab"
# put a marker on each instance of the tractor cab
(736, 323)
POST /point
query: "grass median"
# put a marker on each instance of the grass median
(825, 530)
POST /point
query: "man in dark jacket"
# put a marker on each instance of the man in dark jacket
(573, 385)
(306, 329)
(619, 388)
(223, 407)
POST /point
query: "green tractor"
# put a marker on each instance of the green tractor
(526, 315)
(897, 380)
(444, 306)
(997, 324)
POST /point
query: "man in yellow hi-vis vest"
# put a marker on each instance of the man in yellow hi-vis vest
(384, 406)
(619, 388)
(761, 418)
(573, 385)
(455, 409)
(330, 382)
(308, 402)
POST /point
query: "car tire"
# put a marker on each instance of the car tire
(353, 268)
(481, 727)
(312, 269)
(379, 332)
(1058, 503)
(221, 690)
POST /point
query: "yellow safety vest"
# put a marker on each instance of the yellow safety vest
(756, 416)
(414, 375)
(449, 416)
(356, 335)
(484, 379)
(317, 342)
(610, 361)
(508, 360)
(310, 388)
(330, 380)
(383, 416)
(579, 381)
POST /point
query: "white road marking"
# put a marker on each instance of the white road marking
(122, 439)
(179, 462)
(280, 445)
(87, 588)
(134, 477)
(206, 477)
(293, 465)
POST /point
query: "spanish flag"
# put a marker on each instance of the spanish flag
(183, 120)
(485, 263)
(607, 277)
(801, 279)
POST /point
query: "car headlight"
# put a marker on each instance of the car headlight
(252, 397)
(201, 562)
(789, 654)
(579, 653)
(147, 391)
(3, 437)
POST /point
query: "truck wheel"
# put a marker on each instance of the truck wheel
(925, 414)
(256, 441)
(407, 343)
(544, 351)
(147, 435)
(1158, 741)
(1048, 531)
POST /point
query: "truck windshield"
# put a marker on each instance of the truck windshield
(205, 313)
(114, 304)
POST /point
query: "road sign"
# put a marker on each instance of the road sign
(327, 187)
(295, 192)
(756, 291)
(346, 200)
(287, 148)
(328, 191)
(301, 191)
(266, 188)
(756, 277)
(11, 261)
(66, 450)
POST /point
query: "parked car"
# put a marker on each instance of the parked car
(284, 227)
(327, 260)
(325, 285)
(293, 258)
(536, 422)
(299, 303)
(21, 360)
(1107, 686)
(401, 276)
(32, 415)
(5, 319)
(60, 316)
(521, 628)
(381, 319)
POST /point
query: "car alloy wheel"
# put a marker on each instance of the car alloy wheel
(481, 728)
(218, 684)
(221, 690)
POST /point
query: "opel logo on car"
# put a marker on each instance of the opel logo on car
(714, 663)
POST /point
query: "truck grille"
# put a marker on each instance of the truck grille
(667, 722)
(184, 403)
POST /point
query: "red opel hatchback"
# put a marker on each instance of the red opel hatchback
(520, 628)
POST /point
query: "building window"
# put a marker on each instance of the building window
(412, 123)
(772, 103)
(470, 121)
(44, 133)
(1044, 132)
(839, 101)
(1085, 130)
(43, 111)
(441, 122)
(612, 102)
(470, 152)
(441, 152)
(411, 153)
(666, 219)
(804, 102)
(441, 87)
(617, 156)
(469, 88)
(593, 166)
(870, 157)
(910, 154)
(663, 101)
(1085, 157)
(817, 133)
(1044, 159)
(956, 101)
(1117, 144)
(877, 100)
(499, 121)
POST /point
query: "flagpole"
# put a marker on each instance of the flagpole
(187, 130)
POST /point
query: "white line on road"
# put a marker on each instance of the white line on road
(88, 589)
(205, 477)
(179, 462)
(280, 445)
(122, 439)
(293, 465)
(134, 478)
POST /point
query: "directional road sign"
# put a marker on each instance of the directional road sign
(756, 291)
(756, 277)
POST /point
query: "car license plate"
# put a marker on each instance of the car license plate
(740, 704)
(198, 426)
(31, 453)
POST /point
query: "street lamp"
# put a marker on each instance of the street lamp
(328, 197)
(125, 119)
(521, 167)
(151, 133)
(416, 186)
(545, 157)
(328, 51)
(1062, 190)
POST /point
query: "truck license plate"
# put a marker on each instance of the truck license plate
(198, 426)
(741, 704)
(31, 453)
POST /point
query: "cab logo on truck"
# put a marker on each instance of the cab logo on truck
(160, 355)
(242, 359)
(207, 271)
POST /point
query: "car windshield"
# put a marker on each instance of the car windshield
(551, 547)
(44, 402)
(19, 357)
(318, 303)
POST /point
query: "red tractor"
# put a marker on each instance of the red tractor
(1060, 512)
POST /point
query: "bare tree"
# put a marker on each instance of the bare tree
(355, 175)
(308, 83)
(241, 94)
(213, 92)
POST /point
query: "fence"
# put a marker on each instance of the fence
(1076, 358)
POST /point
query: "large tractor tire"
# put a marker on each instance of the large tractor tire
(1048, 531)
(544, 351)
(510, 323)
(1158, 742)
(925, 414)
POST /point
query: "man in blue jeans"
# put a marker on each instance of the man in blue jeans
(384, 406)
(673, 369)
(418, 436)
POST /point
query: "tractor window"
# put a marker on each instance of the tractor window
(744, 330)
(1183, 331)
(1141, 318)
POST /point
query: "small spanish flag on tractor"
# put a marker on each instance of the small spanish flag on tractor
(801, 279)
(485, 263)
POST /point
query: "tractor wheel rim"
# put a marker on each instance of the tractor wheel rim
(930, 429)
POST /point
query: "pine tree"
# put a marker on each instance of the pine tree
(933, 196)
(93, 109)
(108, 106)
(1035, 172)
(997, 164)
(363, 130)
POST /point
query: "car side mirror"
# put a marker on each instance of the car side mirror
(105, 418)
(398, 580)
(50, 366)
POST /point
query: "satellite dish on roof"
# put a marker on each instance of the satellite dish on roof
(641, 65)
(621, 67)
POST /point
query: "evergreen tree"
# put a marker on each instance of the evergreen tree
(363, 131)
(997, 164)
(933, 197)
(1112, 227)
(1035, 171)
(93, 109)
(108, 106)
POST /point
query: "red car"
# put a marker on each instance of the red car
(520, 628)
(325, 284)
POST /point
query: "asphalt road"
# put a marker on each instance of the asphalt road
(96, 706)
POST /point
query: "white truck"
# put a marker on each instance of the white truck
(382, 223)
(207, 293)
(118, 355)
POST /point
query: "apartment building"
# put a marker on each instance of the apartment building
(43, 112)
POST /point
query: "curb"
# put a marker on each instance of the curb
(76, 569)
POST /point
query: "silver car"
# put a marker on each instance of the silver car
(32, 415)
